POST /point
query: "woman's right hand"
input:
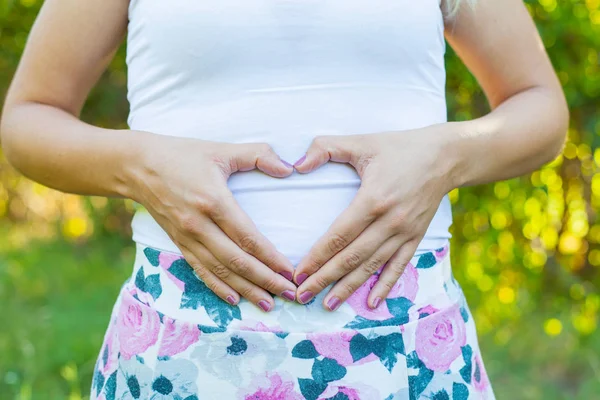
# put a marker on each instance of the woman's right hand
(183, 185)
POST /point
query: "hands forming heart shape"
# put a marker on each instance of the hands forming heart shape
(404, 176)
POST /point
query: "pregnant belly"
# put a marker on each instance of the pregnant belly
(294, 212)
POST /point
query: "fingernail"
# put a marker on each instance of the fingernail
(300, 160)
(376, 302)
(287, 275)
(231, 300)
(264, 305)
(333, 303)
(287, 164)
(289, 294)
(301, 278)
(306, 296)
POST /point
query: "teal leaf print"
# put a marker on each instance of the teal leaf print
(111, 386)
(153, 286)
(361, 322)
(281, 335)
(134, 386)
(305, 349)
(417, 383)
(149, 284)
(196, 294)
(390, 397)
(98, 381)
(310, 389)
(460, 391)
(360, 347)
(211, 329)
(387, 348)
(152, 256)
(441, 395)
(339, 396)
(140, 359)
(221, 312)
(192, 397)
(238, 346)
(465, 314)
(399, 308)
(427, 260)
(327, 370)
(465, 371)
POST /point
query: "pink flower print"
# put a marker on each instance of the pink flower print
(441, 252)
(270, 386)
(358, 302)
(439, 338)
(137, 327)
(408, 284)
(480, 379)
(428, 309)
(166, 259)
(178, 336)
(337, 346)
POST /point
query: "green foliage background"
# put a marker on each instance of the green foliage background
(526, 250)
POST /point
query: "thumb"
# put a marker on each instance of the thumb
(323, 149)
(249, 156)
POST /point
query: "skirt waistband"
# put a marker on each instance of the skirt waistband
(166, 283)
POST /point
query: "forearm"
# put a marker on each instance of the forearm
(54, 148)
(523, 133)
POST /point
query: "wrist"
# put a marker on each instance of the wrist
(134, 155)
(453, 153)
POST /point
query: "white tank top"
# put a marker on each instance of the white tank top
(283, 72)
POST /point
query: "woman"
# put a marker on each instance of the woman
(255, 278)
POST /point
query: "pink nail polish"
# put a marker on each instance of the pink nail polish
(305, 297)
(287, 275)
(301, 278)
(287, 164)
(300, 161)
(376, 302)
(264, 305)
(231, 300)
(289, 294)
(333, 303)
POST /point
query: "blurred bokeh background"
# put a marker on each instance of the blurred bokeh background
(526, 250)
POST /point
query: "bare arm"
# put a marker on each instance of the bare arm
(69, 47)
(500, 45)
(41, 134)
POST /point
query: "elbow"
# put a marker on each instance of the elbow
(9, 136)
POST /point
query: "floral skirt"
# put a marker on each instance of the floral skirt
(170, 337)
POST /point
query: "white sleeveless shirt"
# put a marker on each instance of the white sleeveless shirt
(283, 72)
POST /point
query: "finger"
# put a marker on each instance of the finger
(345, 262)
(242, 230)
(243, 264)
(344, 230)
(392, 272)
(349, 283)
(328, 148)
(249, 156)
(246, 289)
(215, 284)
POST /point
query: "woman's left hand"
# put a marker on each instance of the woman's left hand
(404, 178)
